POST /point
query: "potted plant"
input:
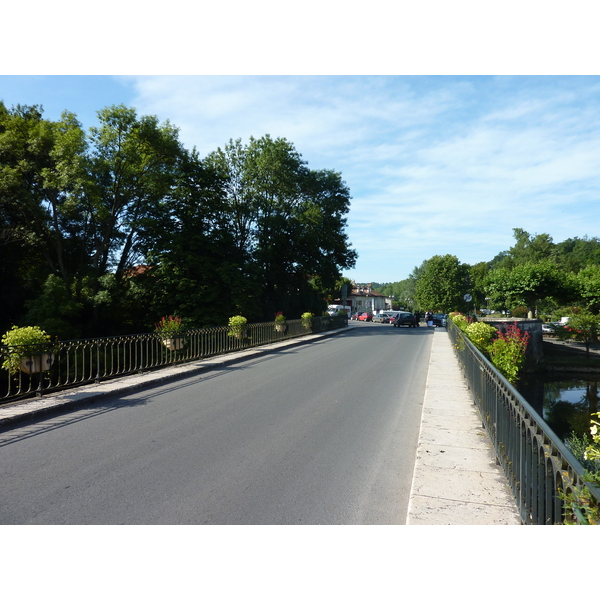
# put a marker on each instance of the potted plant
(169, 328)
(279, 321)
(237, 326)
(29, 349)
(307, 319)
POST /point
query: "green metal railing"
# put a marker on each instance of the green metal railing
(72, 363)
(539, 468)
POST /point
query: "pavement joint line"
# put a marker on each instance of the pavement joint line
(461, 501)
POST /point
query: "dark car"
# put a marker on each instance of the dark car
(439, 320)
(405, 318)
(366, 316)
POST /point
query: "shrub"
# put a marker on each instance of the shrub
(507, 352)
(481, 334)
(459, 320)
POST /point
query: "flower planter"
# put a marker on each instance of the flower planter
(175, 343)
(37, 363)
(279, 326)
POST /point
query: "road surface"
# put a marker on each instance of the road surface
(322, 433)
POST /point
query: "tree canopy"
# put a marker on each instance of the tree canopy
(106, 231)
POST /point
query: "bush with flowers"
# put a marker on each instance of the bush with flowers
(168, 326)
(459, 320)
(507, 351)
(481, 334)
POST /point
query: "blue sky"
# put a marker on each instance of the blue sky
(435, 164)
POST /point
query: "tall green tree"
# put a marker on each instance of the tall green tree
(287, 221)
(527, 284)
(442, 284)
(40, 164)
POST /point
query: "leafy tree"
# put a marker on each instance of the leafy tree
(133, 168)
(527, 284)
(586, 285)
(441, 284)
(575, 254)
(287, 222)
(40, 161)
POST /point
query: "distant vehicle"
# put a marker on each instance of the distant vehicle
(381, 318)
(334, 309)
(440, 320)
(366, 316)
(354, 317)
(405, 318)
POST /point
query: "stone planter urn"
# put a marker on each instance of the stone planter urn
(174, 343)
(37, 363)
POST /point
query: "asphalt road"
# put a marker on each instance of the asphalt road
(323, 433)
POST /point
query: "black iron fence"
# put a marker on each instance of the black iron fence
(34, 370)
(541, 471)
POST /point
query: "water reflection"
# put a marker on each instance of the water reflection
(565, 404)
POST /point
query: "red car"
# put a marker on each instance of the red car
(366, 316)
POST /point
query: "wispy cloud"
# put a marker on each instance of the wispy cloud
(435, 165)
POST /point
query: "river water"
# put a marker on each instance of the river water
(565, 403)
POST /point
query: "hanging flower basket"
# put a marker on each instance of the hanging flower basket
(30, 350)
(237, 327)
(280, 324)
(307, 320)
(168, 329)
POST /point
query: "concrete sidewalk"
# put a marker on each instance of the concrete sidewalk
(456, 480)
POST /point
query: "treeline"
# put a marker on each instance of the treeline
(103, 232)
(535, 276)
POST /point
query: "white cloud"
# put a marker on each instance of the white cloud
(435, 165)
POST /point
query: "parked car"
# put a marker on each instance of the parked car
(440, 320)
(405, 318)
(381, 318)
(354, 317)
(366, 316)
